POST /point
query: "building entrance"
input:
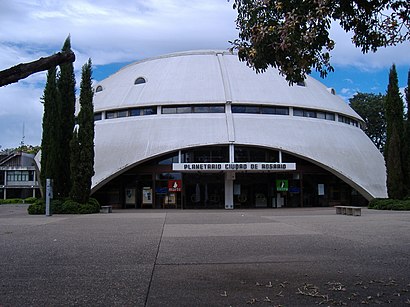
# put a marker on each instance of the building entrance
(203, 191)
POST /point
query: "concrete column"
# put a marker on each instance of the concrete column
(229, 178)
(231, 153)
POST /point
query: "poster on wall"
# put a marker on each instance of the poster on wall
(282, 185)
(320, 189)
(130, 196)
(170, 199)
(147, 196)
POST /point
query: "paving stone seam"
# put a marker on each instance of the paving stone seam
(155, 261)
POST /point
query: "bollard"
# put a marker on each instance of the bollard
(49, 196)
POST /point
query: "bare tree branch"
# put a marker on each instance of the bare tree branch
(21, 71)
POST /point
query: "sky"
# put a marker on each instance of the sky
(115, 33)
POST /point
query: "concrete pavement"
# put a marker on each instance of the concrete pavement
(266, 257)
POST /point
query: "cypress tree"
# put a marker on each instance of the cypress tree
(51, 131)
(394, 148)
(82, 161)
(66, 88)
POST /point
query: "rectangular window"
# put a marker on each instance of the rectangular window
(297, 112)
(181, 110)
(169, 110)
(309, 113)
(238, 109)
(275, 110)
(122, 113)
(321, 115)
(246, 109)
(330, 116)
(216, 109)
(252, 110)
(110, 114)
(268, 110)
(13, 176)
(135, 112)
(282, 110)
(201, 109)
(97, 116)
(149, 111)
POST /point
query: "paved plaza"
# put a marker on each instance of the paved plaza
(276, 257)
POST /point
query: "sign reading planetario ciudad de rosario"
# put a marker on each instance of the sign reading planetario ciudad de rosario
(238, 167)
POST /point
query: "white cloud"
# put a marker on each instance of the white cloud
(20, 105)
(122, 31)
(106, 31)
(346, 54)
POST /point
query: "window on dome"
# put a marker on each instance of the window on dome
(149, 111)
(275, 110)
(97, 116)
(238, 109)
(99, 89)
(193, 109)
(110, 114)
(297, 112)
(122, 113)
(216, 109)
(140, 80)
(169, 110)
(135, 112)
(252, 109)
(309, 113)
(184, 109)
(246, 109)
(348, 120)
(301, 83)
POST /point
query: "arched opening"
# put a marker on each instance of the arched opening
(255, 185)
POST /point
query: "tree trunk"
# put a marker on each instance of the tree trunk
(21, 71)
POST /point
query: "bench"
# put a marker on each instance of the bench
(106, 209)
(349, 210)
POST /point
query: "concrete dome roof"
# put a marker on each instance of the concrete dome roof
(197, 77)
(218, 77)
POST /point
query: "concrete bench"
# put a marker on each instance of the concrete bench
(349, 210)
(106, 209)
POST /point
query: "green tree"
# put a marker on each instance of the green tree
(394, 148)
(51, 131)
(82, 146)
(66, 87)
(294, 35)
(371, 108)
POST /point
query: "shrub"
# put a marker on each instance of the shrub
(11, 201)
(389, 204)
(30, 200)
(72, 207)
(37, 208)
(67, 206)
(57, 206)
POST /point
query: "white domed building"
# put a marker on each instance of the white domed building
(200, 129)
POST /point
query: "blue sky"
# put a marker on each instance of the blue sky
(114, 33)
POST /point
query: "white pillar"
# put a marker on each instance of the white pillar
(229, 178)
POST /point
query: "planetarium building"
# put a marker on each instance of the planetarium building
(202, 130)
